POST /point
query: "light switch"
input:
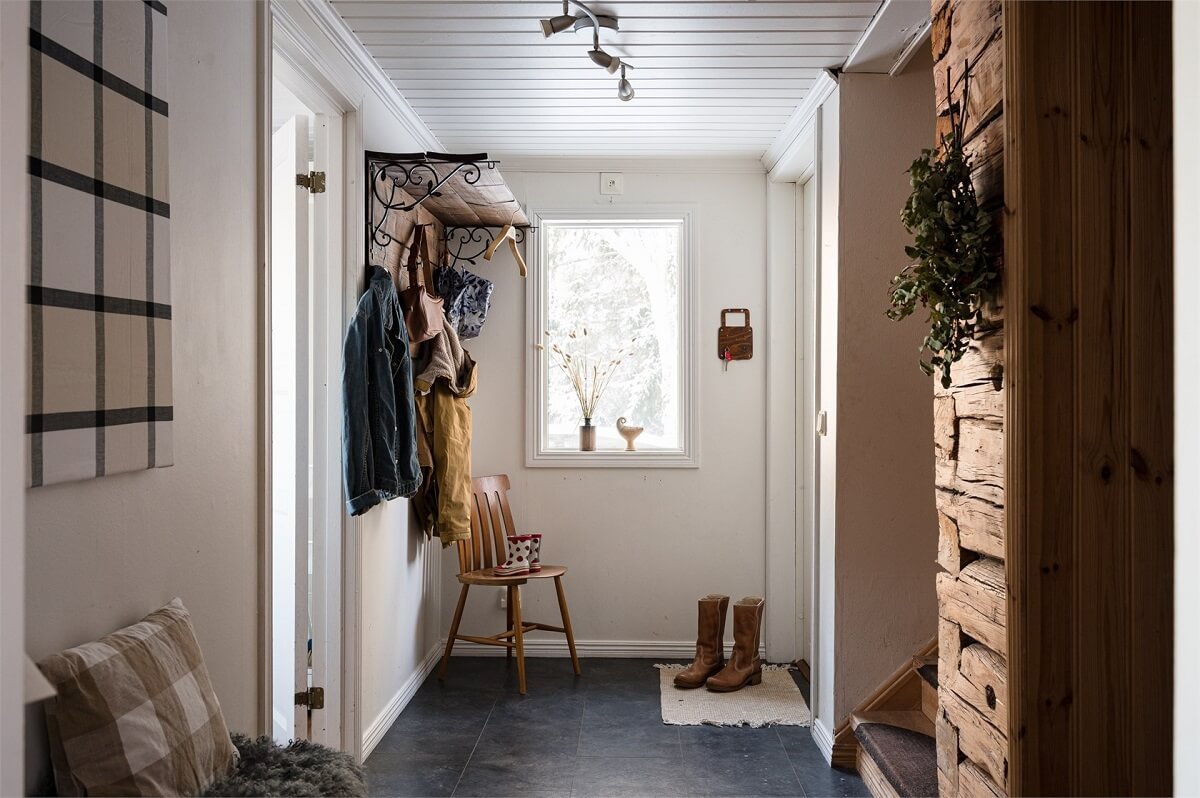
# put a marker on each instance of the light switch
(612, 183)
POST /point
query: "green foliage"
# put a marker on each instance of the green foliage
(953, 271)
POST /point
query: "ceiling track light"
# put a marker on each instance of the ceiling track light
(560, 23)
(603, 59)
(624, 87)
(567, 20)
(606, 22)
(599, 57)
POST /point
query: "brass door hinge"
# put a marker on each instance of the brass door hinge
(313, 698)
(313, 181)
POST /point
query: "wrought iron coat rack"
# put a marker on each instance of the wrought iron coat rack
(466, 244)
(403, 182)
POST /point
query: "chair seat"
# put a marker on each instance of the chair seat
(486, 576)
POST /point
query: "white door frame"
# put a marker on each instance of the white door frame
(784, 579)
(286, 53)
(807, 236)
(790, 564)
(794, 243)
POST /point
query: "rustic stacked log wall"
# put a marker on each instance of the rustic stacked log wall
(972, 719)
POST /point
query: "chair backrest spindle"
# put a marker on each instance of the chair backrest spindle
(491, 523)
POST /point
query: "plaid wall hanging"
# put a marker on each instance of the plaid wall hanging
(99, 397)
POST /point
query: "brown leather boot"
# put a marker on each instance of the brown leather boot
(744, 665)
(710, 643)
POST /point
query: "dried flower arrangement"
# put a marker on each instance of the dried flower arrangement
(589, 374)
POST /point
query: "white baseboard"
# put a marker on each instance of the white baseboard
(384, 720)
(824, 739)
(556, 646)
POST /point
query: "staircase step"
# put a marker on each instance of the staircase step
(927, 670)
(929, 673)
(929, 700)
(906, 759)
(913, 720)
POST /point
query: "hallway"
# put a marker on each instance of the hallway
(600, 734)
(350, 343)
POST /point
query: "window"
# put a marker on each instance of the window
(612, 299)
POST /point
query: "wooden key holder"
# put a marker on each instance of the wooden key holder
(737, 341)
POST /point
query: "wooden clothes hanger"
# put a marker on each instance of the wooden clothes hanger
(507, 233)
(516, 253)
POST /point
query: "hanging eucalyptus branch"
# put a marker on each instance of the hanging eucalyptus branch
(953, 271)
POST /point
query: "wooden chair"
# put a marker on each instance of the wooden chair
(491, 523)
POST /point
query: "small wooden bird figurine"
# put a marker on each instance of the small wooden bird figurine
(628, 433)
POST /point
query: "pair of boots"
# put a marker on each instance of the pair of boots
(709, 667)
(524, 555)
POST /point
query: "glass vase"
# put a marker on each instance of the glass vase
(587, 436)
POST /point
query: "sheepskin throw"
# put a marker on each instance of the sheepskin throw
(301, 769)
(99, 289)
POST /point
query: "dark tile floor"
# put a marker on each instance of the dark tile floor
(600, 734)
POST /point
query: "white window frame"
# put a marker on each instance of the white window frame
(536, 364)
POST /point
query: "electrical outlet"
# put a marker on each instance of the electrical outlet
(503, 598)
(612, 183)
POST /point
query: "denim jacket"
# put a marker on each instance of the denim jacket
(379, 447)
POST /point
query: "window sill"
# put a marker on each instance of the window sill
(611, 458)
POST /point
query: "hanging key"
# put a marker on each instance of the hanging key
(728, 357)
(735, 342)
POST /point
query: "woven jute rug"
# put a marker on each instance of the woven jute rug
(775, 702)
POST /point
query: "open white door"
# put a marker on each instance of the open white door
(290, 425)
(326, 328)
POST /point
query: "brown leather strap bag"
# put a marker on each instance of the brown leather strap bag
(423, 315)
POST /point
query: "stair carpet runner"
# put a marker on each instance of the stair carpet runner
(907, 759)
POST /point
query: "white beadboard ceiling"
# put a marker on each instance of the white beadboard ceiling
(712, 78)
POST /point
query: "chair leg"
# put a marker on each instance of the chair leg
(518, 625)
(566, 622)
(458, 611)
(508, 651)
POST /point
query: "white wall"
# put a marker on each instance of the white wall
(14, 145)
(1187, 386)
(642, 544)
(399, 579)
(886, 525)
(876, 530)
(102, 553)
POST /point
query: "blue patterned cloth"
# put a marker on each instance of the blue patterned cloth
(468, 298)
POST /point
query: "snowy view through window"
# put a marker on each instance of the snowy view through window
(620, 281)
